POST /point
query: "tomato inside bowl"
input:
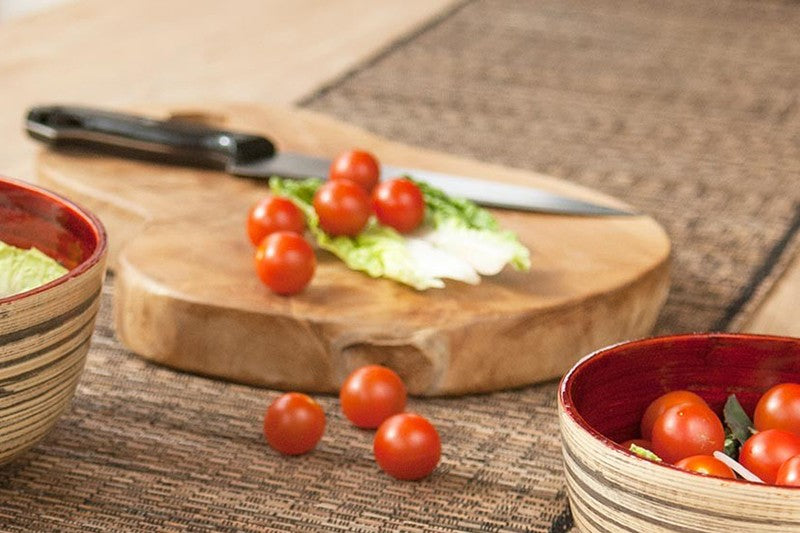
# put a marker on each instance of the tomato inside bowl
(609, 391)
(601, 402)
(34, 217)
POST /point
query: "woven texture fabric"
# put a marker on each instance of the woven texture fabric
(687, 110)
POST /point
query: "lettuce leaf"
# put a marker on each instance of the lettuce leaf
(458, 240)
(22, 270)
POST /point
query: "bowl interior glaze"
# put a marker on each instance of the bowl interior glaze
(30, 216)
(608, 391)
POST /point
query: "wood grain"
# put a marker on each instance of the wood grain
(187, 296)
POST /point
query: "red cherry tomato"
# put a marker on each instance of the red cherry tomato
(765, 452)
(271, 214)
(658, 406)
(399, 203)
(294, 423)
(779, 408)
(342, 206)
(641, 443)
(407, 446)
(686, 430)
(789, 472)
(372, 394)
(357, 166)
(706, 464)
(285, 262)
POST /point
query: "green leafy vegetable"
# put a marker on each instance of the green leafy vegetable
(644, 453)
(739, 427)
(22, 270)
(459, 241)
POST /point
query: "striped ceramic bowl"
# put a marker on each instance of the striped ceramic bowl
(601, 401)
(45, 332)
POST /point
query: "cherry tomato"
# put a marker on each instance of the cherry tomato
(686, 430)
(706, 464)
(294, 423)
(372, 394)
(358, 166)
(407, 446)
(641, 443)
(285, 262)
(789, 472)
(399, 203)
(271, 214)
(779, 408)
(658, 406)
(765, 452)
(342, 206)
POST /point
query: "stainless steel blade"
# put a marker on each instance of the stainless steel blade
(482, 192)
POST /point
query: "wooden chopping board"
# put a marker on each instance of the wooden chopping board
(187, 296)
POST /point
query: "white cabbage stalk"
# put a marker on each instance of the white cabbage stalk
(432, 262)
(487, 252)
(737, 467)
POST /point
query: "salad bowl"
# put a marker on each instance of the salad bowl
(45, 331)
(601, 401)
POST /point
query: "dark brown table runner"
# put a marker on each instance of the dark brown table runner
(688, 110)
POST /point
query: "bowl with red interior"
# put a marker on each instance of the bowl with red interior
(696, 432)
(52, 262)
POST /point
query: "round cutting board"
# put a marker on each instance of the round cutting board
(187, 296)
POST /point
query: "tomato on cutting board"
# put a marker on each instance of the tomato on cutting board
(371, 394)
(271, 214)
(399, 203)
(294, 423)
(342, 206)
(285, 262)
(358, 166)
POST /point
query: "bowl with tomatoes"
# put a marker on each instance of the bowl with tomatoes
(696, 432)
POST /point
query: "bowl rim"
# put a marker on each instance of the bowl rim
(90, 219)
(568, 407)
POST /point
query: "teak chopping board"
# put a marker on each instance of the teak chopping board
(187, 295)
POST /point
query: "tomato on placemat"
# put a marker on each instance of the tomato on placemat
(686, 430)
(294, 423)
(407, 446)
(658, 406)
(765, 452)
(779, 408)
(371, 394)
(285, 262)
(271, 214)
(399, 203)
(357, 166)
(342, 206)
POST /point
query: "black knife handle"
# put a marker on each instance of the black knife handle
(169, 141)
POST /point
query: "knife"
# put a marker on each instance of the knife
(253, 156)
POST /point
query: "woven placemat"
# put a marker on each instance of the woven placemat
(687, 110)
